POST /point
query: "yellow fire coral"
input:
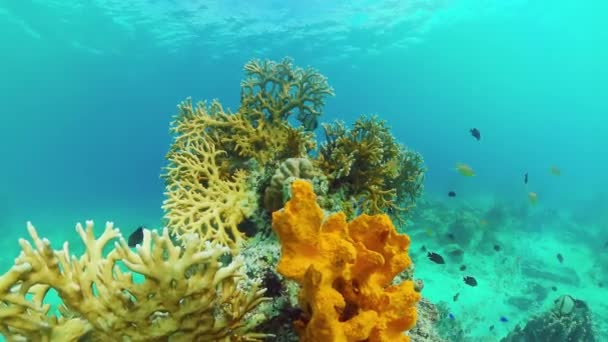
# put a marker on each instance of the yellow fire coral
(270, 93)
(200, 199)
(186, 293)
(345, 270)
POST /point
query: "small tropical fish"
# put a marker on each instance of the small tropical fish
(560, 258)
(491, 327)
(451, 316)
(436, 258)
(526, 178)
(465, 170)
(470, 281)
(497, 248)
(136, 237)
(451, 236)
(504, 319)
(475, 133)
(452, 194)
(555, 170)
(455, 298)
(533, 197)
(483, 222)
(308, 120)
(429, 232)
(423, 248)
(463, 267)
(600, 284)
(554, 288)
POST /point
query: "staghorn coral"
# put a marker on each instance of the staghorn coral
(346, 271)
(200, 198)
(367, 164)
(187, 294)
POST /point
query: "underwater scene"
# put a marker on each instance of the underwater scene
(316, 171)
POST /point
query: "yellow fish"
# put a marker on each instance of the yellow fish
(429, 231)
(533, 197)
(483, 222)
(555, 170)
(465, 170)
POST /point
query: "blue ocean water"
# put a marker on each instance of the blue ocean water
(87, 91)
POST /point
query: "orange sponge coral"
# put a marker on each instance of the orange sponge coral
(345, 270)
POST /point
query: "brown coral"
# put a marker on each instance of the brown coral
(367, 164)
(186, 294)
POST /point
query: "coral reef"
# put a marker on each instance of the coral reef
(186, 293)
(345, 270)
(568, 320)
(367, 166)
(225, 173)
(245, 160)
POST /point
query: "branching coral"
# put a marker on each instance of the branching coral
(270, 93)
(367, 164)
(214, 151)
(273, 90)
(199, 198)
(346, 271)
(187, 294)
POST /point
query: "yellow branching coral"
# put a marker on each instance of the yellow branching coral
(346, 271)
(200, 198)
(366, 163)
(187, 294)
(274, 90)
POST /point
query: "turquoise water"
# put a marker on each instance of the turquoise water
(87, 93)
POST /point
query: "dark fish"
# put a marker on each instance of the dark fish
(600, 284)
(452, 194)
(423, 248)
(475, 133)
(491, 327)
(606, 244)
(463, 267)
(497, 248)
(554, 288)
(455, 298)
(504, 319)
(526, 178)
(308, 120)
(451, 316)
(451, 236)
(470, 281)
(560, 258)
(436, 258)
(136, 237)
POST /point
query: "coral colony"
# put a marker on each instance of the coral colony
(251, 202)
